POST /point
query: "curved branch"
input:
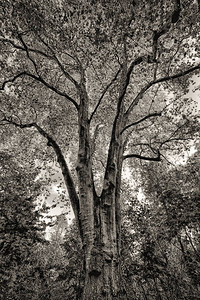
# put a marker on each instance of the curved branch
(160, 80)
(53, 57)
(36, 51)
(28, 54)
(41, 80)
(62, 162)
(172, 138)
(128, 76)
(140, 121)
(158, 158)
(104, 92)
(67, 75)
(178, 75)
(137, 98)
(11, 80)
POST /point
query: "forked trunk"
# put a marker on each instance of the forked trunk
(99, 217)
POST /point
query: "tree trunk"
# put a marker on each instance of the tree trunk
(103, 278)
(103, 283)
(100, 216)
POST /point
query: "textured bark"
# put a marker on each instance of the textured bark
(84, 172)
(104, 279)
(100, 215)
(103, 273)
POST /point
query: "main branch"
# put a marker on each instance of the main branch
(157, 158)
(41, 80)
(103, 93)
(67, 75)
(151, 83)
(29, 50)
(141, 120)
(62, 162)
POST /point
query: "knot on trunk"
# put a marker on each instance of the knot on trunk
(108, 256)
(96, 262)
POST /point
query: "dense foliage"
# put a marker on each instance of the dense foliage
(20, 226)
(160, 239)
(94, 101)
(162, 230)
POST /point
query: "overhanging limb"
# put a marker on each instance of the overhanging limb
(74, 199)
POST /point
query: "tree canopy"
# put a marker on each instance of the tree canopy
(97, 88)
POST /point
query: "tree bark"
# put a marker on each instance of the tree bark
(100, 215)
(103, 278)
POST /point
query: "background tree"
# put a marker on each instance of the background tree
(103, 83)
(61, 261)
(162, 230)
(21, 230)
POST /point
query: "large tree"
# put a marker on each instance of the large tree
(103, 82)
